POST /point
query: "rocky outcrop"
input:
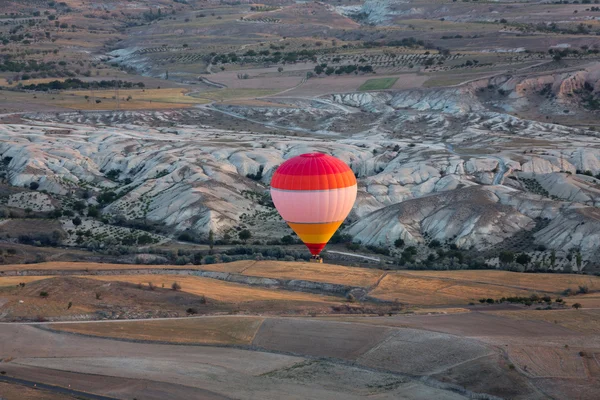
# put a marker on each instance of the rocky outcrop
(472, 217)
(576, 230)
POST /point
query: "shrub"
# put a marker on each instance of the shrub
(352, 246)
(209, 260)
(191, 311)
(506, 257)
(244, 235)
(577, 306)
(350, 298)
(185, 237)
(176, 286)
(287, 239)
(151, 286)
(523, 259)
(34, 185)
(98, 296)
(583, 289)
(44, 294)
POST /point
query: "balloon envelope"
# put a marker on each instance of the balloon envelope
(314, 193)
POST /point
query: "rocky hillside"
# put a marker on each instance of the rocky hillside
(435, 169)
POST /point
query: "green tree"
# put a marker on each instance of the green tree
(399, 243)
(211, 240)
(244, 235)
(76, 221)
(577, 306)
(506, 257)
(79, 206)
(523, 259)
(287, 239)
(93, 212)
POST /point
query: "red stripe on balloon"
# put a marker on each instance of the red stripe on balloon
(315, 248)
(313, 164)
(313, 182)
(313, 171)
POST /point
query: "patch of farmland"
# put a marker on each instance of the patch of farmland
(548, 362)
(35, 201)
(431, 291)
(419, 352)
(542, 282)
(378, 84)
(218, 290)
(301, 270)
(584, 321)
(94, 230)
(217, 330)
(319, 338)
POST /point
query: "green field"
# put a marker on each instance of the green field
(378, 84)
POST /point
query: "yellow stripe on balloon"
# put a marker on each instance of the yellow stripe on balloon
(315, 233)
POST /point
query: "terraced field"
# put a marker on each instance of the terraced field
(417, 288)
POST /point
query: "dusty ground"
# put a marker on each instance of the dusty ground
(483, 352)
(218, 330)
(10, 391)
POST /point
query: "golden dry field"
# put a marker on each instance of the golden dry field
(54, 265)
(329, 273)
(206, 330)
(425, 288)
(15, 280)
(434, 291)
(218, 290)
(554, 283)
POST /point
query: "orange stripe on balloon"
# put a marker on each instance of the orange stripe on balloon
(315, 233)
(313, 182)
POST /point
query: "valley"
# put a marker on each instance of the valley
(141, 253)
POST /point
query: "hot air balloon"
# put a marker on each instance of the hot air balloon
(314, 193)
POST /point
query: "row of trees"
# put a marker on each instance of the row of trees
(344, 69)
(75, 83)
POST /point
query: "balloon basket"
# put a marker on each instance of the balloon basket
(316, 259)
